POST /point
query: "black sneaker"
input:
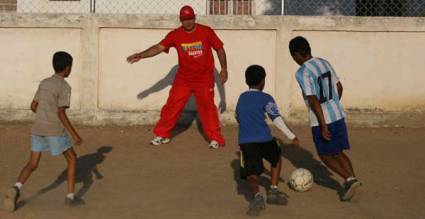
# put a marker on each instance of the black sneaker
(11, 198)
(74, 202)
(276, 197)
(256, 206)
(351, 189)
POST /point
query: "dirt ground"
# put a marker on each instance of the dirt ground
(122, 176)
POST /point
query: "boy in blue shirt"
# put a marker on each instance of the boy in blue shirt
(256, 141)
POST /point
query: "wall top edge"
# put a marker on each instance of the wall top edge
(219, 22)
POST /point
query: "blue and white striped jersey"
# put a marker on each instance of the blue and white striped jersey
(317, 77)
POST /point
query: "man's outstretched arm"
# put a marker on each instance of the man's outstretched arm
(151, 51)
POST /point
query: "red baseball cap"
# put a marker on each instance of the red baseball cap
(187, 13)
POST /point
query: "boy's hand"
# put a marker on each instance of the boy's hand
(295, 141)
(77, 140)
(325, 133)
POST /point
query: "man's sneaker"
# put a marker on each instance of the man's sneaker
(213, 145)
(351, 188)
(276, 197)
(256, 206)
(11, 198)
(76, 201)
(160, 140)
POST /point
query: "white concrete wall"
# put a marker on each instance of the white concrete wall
(26, 60)
(379, 61)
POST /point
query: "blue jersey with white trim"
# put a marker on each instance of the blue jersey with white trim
(251, 109)
(317, 77)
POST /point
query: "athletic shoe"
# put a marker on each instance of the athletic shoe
(213, 145)
(351, 188)
(74, 202)
(11, 198)
(276, 197)
(256, 206)
(160, 140)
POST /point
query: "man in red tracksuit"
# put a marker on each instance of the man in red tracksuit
(195, 75)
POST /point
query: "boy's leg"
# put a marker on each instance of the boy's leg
(330, 151)
(275, 172)
(29, 167)
(272, 153)
(251, 165)
(170, 112)
(333, 163)
(208, 114)
(346, 163)
(253, 185)
(12, 195)
(257, 203)
(351, 184)
(71, 159)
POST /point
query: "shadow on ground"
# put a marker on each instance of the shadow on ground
(302, 158)
(87, 166)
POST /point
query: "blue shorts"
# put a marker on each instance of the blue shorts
(338, 142)
(55, 144)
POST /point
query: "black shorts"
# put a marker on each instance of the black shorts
(252, 154)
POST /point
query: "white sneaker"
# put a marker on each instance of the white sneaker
(160, 140)
(214, 144)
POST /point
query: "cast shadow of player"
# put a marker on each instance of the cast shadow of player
(302, 158)
(190, 112)
(87, 166)
(242, 186)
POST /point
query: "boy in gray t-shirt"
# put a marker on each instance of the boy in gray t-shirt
(48, 132)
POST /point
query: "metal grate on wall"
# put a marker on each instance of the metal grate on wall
(398, 8)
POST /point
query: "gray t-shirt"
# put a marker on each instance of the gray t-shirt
(53, 92)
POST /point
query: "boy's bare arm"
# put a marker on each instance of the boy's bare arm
(67, 124)
(34, 105)
(339, 88)
(317, 109)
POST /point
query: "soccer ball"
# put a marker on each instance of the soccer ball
(301, 180)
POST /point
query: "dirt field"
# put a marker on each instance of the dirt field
(184, 179)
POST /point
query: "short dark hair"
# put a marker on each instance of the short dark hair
(300, 44)
(61, 60)
(254, 74)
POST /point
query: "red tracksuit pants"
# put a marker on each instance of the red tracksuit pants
(207, 111)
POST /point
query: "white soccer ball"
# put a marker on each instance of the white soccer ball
(301, 180)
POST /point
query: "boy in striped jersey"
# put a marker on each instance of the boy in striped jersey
(322, 92)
